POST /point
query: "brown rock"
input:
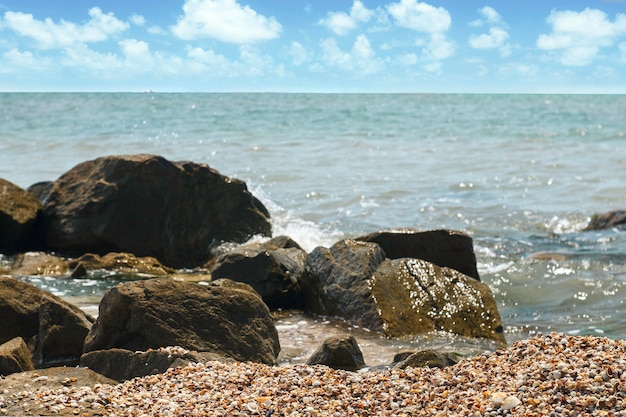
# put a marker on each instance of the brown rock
(415, 296)
(613, 219)
(53, 328)
(122, 263)
(339, 353)
(148, 206)
(274, 272)
(19, 211)
(15, 357)
(160, 312)
(445, 248)
(37, 264)
(428, 358)
(122, 365)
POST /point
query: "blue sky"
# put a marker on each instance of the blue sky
(503, 46)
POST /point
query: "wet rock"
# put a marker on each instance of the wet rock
(428, 358)
(445, 248)
(19, 212)
(338, 353)
(53, 328)
(15, 357)
(414, 296)
(41, 190)
(613, 219)
(122, 263)
(400, 297)
(39, 264)
(149, 206)
(122, 365)
(160, 312)
(273, 271)
(335, 282)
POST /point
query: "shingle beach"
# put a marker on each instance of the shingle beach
(547, 375)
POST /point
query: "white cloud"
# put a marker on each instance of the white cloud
(341, 23)
(14, 59)
(622, 49)
(496, 37)
(137, 54)
(577, 37)
(138, 20)
(226, 21)
(49, 34)
(298, 53)
(361, 59)
(421, 17)
(438, 47)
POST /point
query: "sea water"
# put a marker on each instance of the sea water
(521, 174)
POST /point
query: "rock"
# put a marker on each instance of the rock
(338, 353)
(122, 365)
(414, 296)
(41, 190)
(400, 297)
(335, 282)
(160, 312)
(445, 248)
(613, 219)
(122, 263)
(148, 206)
(428, 358)
(38, 264)
(41, 380)
(15, 357)
(53, 328)
(19, 212)
(274, 272)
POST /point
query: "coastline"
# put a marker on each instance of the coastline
(546, 375)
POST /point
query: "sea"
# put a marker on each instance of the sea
(520, 173)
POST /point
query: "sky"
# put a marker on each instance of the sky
(453, 46)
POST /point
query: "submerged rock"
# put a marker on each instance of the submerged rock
(122, 263)
(160, 312)
(613, 219)
(149, 206)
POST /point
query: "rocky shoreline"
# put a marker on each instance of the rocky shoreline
(199, 307)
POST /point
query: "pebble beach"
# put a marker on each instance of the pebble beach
(547, 375)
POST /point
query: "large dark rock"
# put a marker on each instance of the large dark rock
(54, 329)
(400, 297)
(274, 272)
(335, 281)
(19, 212)
(445, 248)
(15, 357)
(159, 312)
(428, 358)
(122, 365)
(613, 219)
(338, 353)
(148, 206)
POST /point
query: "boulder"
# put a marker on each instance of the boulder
(122, 365)
(445, 248)
(338, 353)
(38, 264)
(19, 212)
(149, 206)
(274, 272)
(15, 357)
(54, 329)
(122, 263)
(400, 297)
(428, 358)
(413, 296)
(615, 219)
(159, 312)
(335, 281)
(41, 190)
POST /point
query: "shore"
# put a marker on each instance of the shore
(547, 375)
